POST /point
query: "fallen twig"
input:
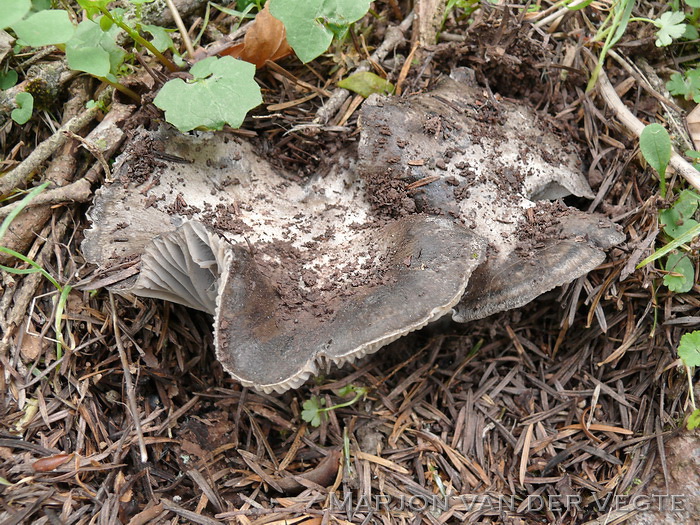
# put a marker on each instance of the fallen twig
(128, 382)
(78, 191)
(636, 126)
(44, 150)
(394, 37)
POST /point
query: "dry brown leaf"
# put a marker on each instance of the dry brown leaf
(51, 463)
(265, 40)
(599, 427)
(693, 121)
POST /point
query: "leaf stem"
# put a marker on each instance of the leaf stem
(360, 392)
(138, 38)
(121, 87)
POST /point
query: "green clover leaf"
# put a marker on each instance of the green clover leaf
(670, 26)
(313, 411)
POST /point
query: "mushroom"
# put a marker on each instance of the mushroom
(298, 275)
(499, 171)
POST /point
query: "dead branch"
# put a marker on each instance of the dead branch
(636, 126)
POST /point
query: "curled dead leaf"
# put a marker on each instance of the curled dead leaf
(324, 474)
(265, 40)
(51, 463)
(693, 121)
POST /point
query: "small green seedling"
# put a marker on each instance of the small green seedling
(686, 85)
(366, 83)
(689, 349)
(677, 221)
(8, 79)
(34, 267)
(689, 352)
(680, 275)
(655, 145)
(25, 105)
(611, 30)
(314, 410)
(311, 24)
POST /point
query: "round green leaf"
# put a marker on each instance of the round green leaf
(106, 23)
(93, 50)
(677, 219)
(45, 28)
(308, 22)
(689, 348)
(9, 79)
(680, 264)
(694, 419)
(365, 83)
(12, 11)
(93, 60)
(656, 147)
(25, 106)
(222, 92)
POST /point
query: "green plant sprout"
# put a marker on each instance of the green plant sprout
(90, 46)
(34, 267)
(677, 221)
(689, 353)
(314, 411)
(226, 85)
(655, 144)
(670, 26)
(468, 6)
(95, 7)
(611, 30)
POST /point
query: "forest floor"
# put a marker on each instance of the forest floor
(557, 412)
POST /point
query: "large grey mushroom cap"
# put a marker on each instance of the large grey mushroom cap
(294, 275)
(496, 168)
(443, 213)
